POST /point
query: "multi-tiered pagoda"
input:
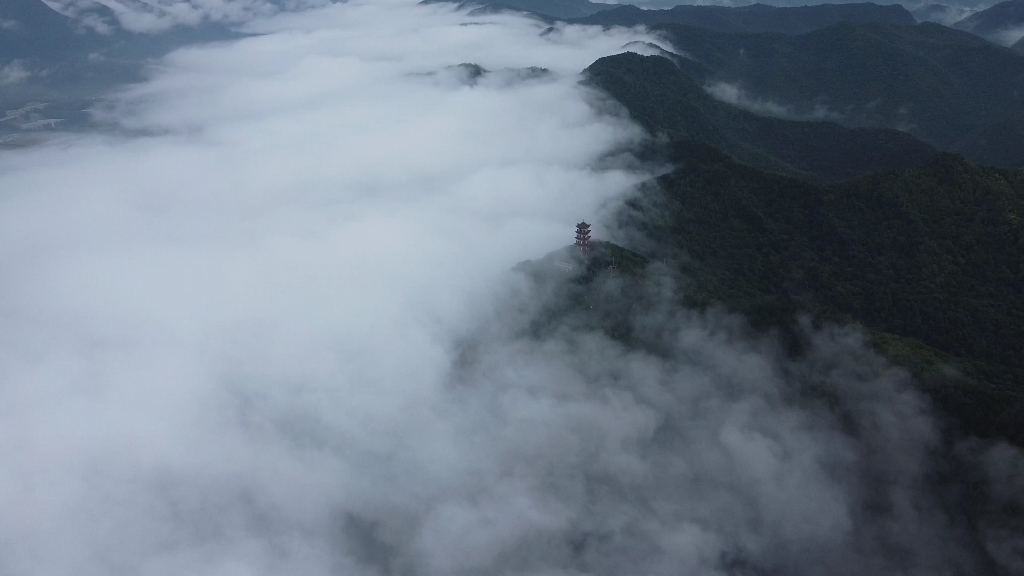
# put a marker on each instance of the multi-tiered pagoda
(583, 239)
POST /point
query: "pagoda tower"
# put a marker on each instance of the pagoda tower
(583, 239)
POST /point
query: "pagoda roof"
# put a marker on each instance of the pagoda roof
(583, 225)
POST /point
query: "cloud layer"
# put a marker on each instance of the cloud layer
(267, 326)
(213, 332)
(737, 96)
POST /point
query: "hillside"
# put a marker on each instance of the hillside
(930, 259)
(666, 99)
(1001, 23)
(755, 18)
(947, 87)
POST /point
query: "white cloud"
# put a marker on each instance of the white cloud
(737, 96)
(278, 335)
(1009, 36)
(255, 303)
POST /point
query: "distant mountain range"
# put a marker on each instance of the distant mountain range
(52, 66)
(755, 18)
(31, 29)
(667, 98)
(949, 88)
(1002, 23)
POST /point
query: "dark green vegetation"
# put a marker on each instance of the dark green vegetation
(605, 293)
(628, 303)
(927, 255)
(665, 98)
(755, 18)
(930, 260)
(556, 9)
(992, 22)
(949, 88)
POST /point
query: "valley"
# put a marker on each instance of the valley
(290, 288)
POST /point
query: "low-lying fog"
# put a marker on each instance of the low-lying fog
(228, 340)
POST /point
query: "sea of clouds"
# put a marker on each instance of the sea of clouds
(155, 16)
(235, 328)
(213, 331)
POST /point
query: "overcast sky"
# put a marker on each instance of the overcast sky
(234, 334)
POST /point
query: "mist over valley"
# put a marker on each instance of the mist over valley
(536, 287)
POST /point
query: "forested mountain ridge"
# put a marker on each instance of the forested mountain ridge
(754, 18)
(667, 99)
(952, 89)
(998, 23)
(926, 253)
(933, 254)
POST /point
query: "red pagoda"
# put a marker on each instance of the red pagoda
(583, 239)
